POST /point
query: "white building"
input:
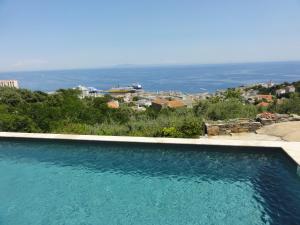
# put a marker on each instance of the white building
(290, 89)
(267, 85)
(286, 90)
(9, 83)
(144, 102)
(188, 101)
(84, 91)
(88, 92)
(280, 92)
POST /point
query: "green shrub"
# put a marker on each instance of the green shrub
(191, 127)
(230, 109)
(16, 123)
(170, 132)
(291, 105)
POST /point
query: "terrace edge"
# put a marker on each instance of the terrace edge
(292, 149)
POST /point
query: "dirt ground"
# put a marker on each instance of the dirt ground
(288, 131)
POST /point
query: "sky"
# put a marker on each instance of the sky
(58, 34)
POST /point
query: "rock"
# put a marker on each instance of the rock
(265, 122)
(212, 130)
(242, 130)
(232, 126)
(235, 129)
(295, 117)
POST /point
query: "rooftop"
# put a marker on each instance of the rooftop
(175, 104)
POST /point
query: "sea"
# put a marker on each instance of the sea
(184, 78)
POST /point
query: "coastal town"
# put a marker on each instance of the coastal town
(261, 95)
(139, 99)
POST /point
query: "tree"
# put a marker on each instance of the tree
(230, 109)
(233, 93)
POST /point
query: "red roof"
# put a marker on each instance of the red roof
(267, 97)
(263, 104)
(169, 103)
(113, 104)
(176, 104)
(160, 101)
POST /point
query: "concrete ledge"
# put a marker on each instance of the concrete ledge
(291, 148)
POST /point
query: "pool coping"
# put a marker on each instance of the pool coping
(292, 149)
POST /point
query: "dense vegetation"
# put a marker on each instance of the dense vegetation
(63, 112)
(288, 106)
(225, 109)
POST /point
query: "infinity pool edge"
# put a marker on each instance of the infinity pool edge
(292, 149)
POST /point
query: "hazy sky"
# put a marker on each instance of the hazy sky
(50, 34)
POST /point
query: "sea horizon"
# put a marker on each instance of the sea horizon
(189, 78)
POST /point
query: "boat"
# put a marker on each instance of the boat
(127, 89)
(137, 86)
(121, 90)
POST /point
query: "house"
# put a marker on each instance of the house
(9, 83)
(144, 102)
(290, 89)
(161, 103)
(188, 101)
(263, 104)
(268, 98)
(88, 92)
(280, 92)
(113, 104)
(84, 91)
(250, 95)
(176, 104)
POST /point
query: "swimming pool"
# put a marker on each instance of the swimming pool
(57, 182)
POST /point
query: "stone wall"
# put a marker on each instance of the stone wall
(231, 126)
(214, 128)
(267, 118)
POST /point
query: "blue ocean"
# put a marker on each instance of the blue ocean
(189, 78)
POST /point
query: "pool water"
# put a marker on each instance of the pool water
(74, 183)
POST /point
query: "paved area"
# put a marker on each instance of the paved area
(289, 131)
(246, 136)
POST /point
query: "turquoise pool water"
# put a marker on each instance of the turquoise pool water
(74, 183)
